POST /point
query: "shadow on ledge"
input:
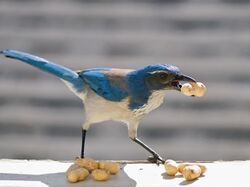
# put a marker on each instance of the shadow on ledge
(59, 180)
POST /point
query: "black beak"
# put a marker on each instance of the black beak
(175, 83)
(185, 78)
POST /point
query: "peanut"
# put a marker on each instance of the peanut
(77, 174)
(203, 168)
(193, 89)
(191, 172)
(199, 88)
(111, 167)
(100, 175)
(181, 167)
(188, 89)
(87, 163)
(171, 167)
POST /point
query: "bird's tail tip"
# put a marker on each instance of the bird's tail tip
(3, 52)
(45, 65)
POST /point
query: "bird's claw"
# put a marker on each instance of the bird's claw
(156, 159)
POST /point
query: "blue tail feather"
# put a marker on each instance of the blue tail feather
(55, 69)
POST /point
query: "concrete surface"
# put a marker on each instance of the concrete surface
(48, 173)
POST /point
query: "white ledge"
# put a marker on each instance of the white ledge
(47, 173)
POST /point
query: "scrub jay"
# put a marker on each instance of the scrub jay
(124, 95)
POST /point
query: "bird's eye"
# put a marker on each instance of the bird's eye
(163, 77)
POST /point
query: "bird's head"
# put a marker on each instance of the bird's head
(143, 82)
(164, 77)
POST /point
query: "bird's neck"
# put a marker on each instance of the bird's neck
(137, 90)
(141, 96)
(154, 101)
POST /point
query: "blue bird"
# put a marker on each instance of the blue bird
(124, 95)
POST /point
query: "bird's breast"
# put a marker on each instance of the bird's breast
(99, 109)
(154, 101)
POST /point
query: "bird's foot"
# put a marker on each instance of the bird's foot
(156, 159)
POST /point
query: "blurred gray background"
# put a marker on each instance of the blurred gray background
(208, 39)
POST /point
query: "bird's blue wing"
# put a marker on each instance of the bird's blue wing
(103, 85)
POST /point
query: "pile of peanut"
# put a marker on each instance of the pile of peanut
(190, 171)
(99, 171)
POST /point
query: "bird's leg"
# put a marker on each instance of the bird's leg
(156, 158)
(132, 133)
(84, 131)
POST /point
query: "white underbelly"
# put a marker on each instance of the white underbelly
(99, 109)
